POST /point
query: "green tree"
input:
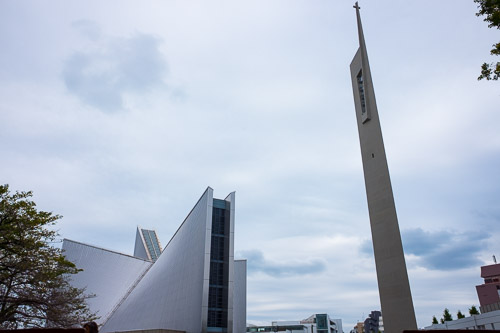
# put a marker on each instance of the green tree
(447, 315)
(473, 310)
(491, 10)
(434, 320)
(34, 287)
(460, 315)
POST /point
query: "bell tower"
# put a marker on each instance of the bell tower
(392, 277)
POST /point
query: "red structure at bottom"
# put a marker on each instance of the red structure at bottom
(489, 292)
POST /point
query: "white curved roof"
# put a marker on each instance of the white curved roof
(107, 274)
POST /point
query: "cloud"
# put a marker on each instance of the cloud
(441, 250)
(257, 263)
(110, 68)
(88, 28)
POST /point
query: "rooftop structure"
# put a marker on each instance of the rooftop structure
(147, 244)
(489, 292)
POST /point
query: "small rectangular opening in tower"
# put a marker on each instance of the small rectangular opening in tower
(362, 97)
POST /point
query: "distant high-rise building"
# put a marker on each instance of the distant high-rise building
(489, 292)
(317, 323)
(359, 328)
(374, 324)
(147, 244)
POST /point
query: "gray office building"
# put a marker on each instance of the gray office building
(194, 286)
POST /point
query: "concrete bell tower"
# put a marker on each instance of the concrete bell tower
(392, 277)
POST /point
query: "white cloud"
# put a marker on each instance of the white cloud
(113, 67)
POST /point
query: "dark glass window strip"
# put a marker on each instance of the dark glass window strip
(217, 248)
(218, 293)
(218, 221)
(151, 243)
(216, 274)
(216, 298)
(217, 318)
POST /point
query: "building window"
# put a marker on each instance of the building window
(219, 270)
(152, 243)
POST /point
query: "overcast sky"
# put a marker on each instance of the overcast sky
(121, 113)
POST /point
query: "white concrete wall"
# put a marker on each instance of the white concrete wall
(240, 296)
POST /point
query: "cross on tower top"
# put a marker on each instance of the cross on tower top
(356, 6)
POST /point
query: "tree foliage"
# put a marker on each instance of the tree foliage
(473, 310)
(447, 315)
(460, 315)
(434, 320)
(490, 9)
(34, 287)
